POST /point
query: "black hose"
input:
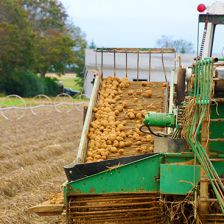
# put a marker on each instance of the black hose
(151, 131)
(145, 132)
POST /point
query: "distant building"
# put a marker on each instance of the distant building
(146, 72)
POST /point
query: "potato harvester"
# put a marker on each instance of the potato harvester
(181, 181)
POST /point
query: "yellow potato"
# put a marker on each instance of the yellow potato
(131, 115)
(117, 112)
(121, 151)
(113, 150)
(144, 83)
(130, 92)
(148, 93)
(139, 115)
(116, 143)
(138, 92)
(122, 144)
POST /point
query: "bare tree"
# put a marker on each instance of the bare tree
(181, 46)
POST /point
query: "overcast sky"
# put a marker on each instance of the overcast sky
(135, 23)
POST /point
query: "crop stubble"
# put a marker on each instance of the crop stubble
(33, 152)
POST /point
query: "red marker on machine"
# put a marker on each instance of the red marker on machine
(201, 8)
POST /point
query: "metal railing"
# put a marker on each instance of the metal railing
(138, 52)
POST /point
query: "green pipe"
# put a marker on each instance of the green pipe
(202, 92)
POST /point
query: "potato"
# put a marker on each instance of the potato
(104, 157)
(148, 138)
(107, 109)
(135, 100)
(117, 98)
(136, 136)
(89, 160)
(120, 108)
(112, 137)
(97, 156)
(131, 115)
(139, 149)
(124, 105)
(104, 123)
(104, 153)
(89, 154)
(130, 92)
(123, 135)
(121, 151)
(104, 137)
(119, 138)
(138, 92)
(111, 101)
(128, 143)
(120, 127)
(148, 93)
(95, 109)
(144, 83)
(139, 115)
(91, 144)
(122, 85)
(97, 144)
(117, 112)
(122, 144)
(113, 150)
(116, 143)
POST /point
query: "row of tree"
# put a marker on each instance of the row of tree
(35, 36)
(181, 46)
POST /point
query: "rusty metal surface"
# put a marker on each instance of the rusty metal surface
(115, 208)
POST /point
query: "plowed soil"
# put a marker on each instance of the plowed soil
(33, 151)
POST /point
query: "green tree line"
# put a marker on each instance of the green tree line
(36, 37)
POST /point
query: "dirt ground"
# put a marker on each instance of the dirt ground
(33, 151)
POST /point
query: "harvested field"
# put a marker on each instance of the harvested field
(33, 151)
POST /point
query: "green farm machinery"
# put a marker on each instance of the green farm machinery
(171, 185)
(181, 180)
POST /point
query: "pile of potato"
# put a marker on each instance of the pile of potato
(111, 134)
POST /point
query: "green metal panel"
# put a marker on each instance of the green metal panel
(178, 179)
(139, 176)
(216, 147)
(219, 166)
(217, 128)
(217, 111)
(178, 157)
